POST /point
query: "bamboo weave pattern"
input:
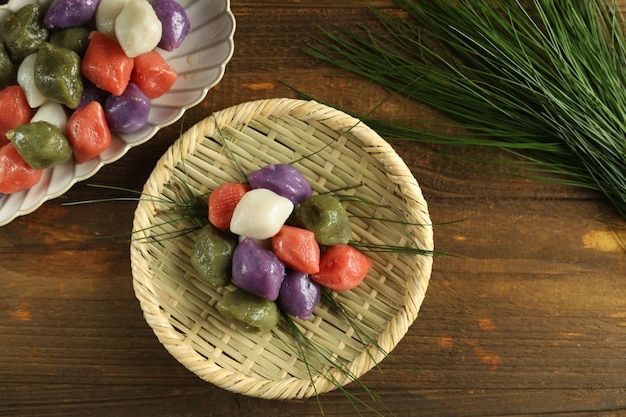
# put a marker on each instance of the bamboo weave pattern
(333, 150)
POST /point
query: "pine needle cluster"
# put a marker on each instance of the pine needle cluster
(543, 79)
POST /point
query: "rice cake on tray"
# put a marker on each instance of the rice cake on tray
(334, 151)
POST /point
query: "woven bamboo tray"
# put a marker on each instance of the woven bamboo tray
(338, 151)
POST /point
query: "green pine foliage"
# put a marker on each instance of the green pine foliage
(544, 79)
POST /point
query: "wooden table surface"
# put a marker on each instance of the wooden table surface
(528, 319)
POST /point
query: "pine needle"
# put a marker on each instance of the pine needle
(319, 361)
(543, 79)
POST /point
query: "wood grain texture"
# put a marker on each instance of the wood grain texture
(528, 318)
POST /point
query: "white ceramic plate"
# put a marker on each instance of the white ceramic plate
(200, 62)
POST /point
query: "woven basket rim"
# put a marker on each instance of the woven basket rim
(190, 142)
